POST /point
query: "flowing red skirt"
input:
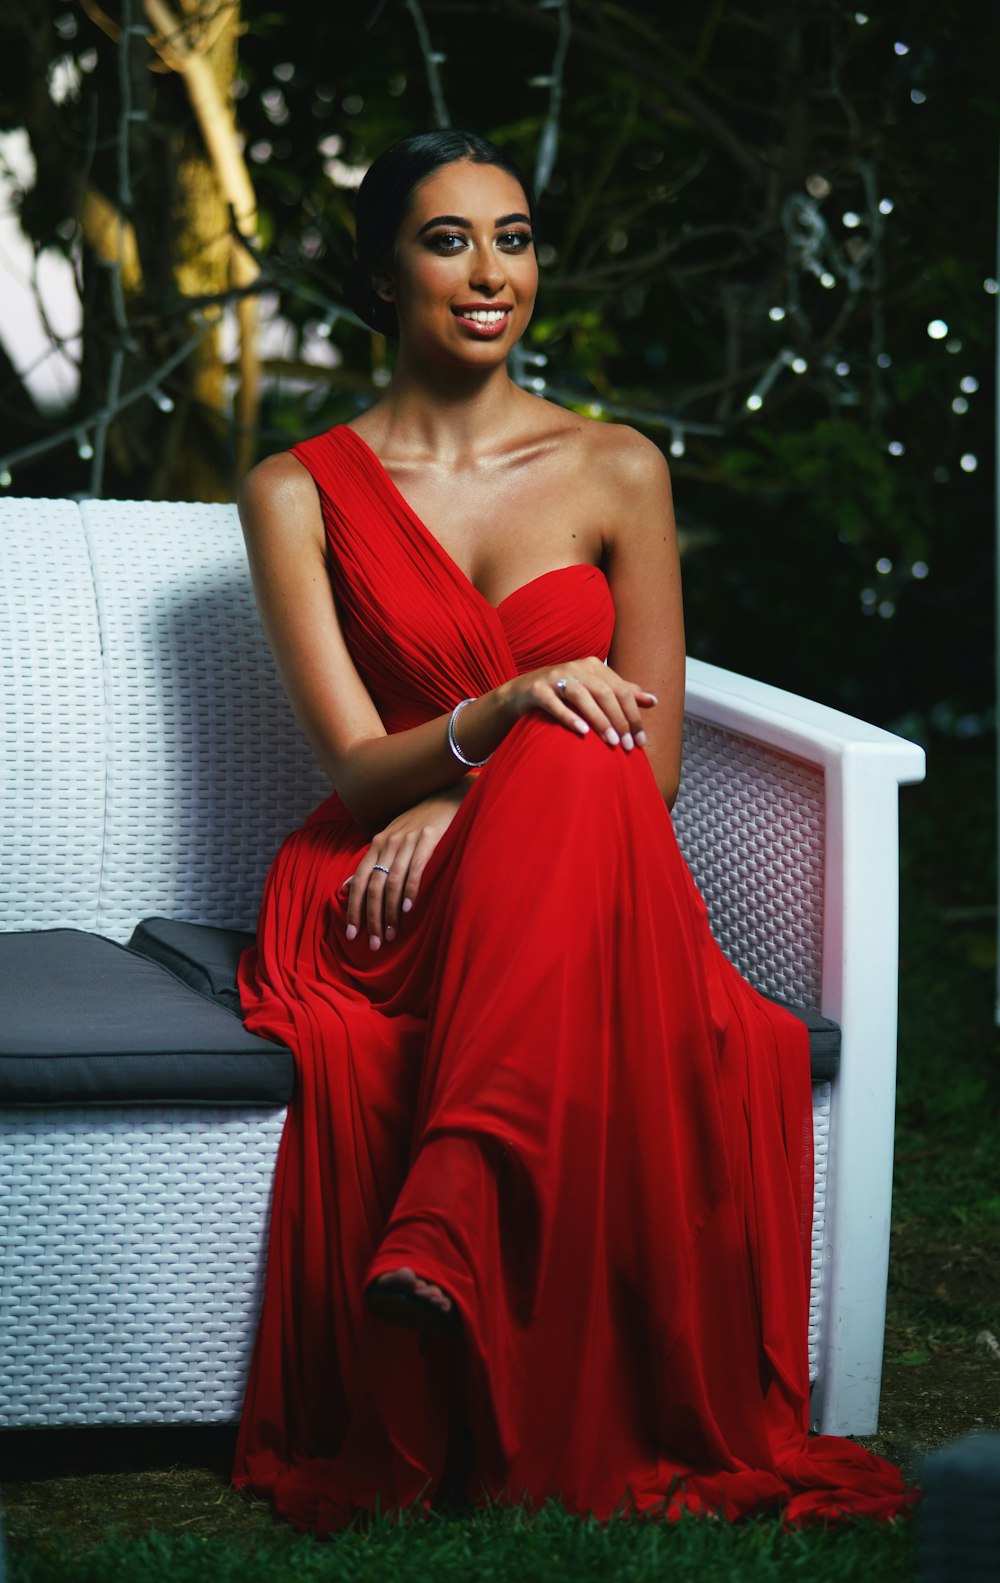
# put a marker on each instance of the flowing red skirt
(553, 1096)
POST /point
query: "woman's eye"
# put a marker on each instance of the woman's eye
(517, 241)
(447, 241)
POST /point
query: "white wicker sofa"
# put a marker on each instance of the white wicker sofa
(150, 766)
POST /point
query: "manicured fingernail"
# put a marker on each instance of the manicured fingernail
(351, 932)
(581, 726)
(653, 696)
(407, 904)
(611, 737)
(390, 932)
(640, 739)
(374, 942)
(627, 742)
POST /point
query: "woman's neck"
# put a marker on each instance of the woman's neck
(452, 415)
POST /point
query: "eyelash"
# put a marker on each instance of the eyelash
(522, 240)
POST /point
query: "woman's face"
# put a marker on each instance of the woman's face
(466, 272)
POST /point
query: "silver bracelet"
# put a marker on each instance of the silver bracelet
(472, 764)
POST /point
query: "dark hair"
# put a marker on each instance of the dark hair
(384, 199)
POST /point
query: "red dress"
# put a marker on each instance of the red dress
(552, 1095)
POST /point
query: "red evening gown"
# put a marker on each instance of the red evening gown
(552, 1095)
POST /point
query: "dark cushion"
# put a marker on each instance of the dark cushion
(207, 959)
(85, 1021)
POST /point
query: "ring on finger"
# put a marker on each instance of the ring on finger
(562, 684)
(380, 867)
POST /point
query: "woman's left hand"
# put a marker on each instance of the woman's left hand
(386, 881)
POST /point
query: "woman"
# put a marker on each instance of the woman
(542, 1204)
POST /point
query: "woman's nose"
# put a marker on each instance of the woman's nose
(487, 271)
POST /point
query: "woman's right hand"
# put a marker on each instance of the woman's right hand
(583, 695)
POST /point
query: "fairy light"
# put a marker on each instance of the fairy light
(755, 401)
(954, 345)
(919, 570)
(798, 365)
(850, 219)
(960, 405)
(885, 206)
(886, 609)
(968, 463)
(884, 360)
(937, 329)
(776, 313)
(843, 369)
(163, 401)
(827, 280)
(677, 441)
(917, 96)
(84, 449)
(991, 286)
(883, 565)
(6, 478)
(896, 448)
(969, 383)
(901, 49)
(860, 17)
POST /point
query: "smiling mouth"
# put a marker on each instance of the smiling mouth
(483, 321)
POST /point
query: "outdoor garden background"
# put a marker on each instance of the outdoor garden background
(769, 241)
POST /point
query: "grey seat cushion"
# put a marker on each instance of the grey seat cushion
(86, 1021)
(207, 959)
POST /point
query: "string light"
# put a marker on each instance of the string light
(776, 313)
(884, 360)
(163, 401)
(968, 463)
(883, 565)
(798, 365)
(885, 206)
(901, 49)
(677, 441)
(960, 405)
(917, 97)
(919, 570)
(937, 329)
(850, 219)
(896, 448)
(991, 286)
(969, 384)
(6, 478)
(84, 449)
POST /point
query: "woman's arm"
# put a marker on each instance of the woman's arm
(643, 568)
(378, 775)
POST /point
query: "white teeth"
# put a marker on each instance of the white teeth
(485, 315)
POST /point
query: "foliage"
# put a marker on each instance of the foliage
(706, 164)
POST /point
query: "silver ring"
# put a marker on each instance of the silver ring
(562, 685)
(381, 868)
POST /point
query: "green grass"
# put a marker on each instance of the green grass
(545, 1548)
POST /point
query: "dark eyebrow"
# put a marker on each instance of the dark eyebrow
(466, 225)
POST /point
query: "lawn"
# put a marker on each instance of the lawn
(126, 1504)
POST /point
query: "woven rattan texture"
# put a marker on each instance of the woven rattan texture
(821, 1157)
(52, 714)
(207, 768)
(750, 824)
(132, 1262)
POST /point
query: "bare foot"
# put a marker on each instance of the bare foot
(400, 1295)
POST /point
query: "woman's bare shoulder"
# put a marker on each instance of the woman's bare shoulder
(280, 490)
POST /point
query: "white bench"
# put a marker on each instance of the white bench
(149, 764)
